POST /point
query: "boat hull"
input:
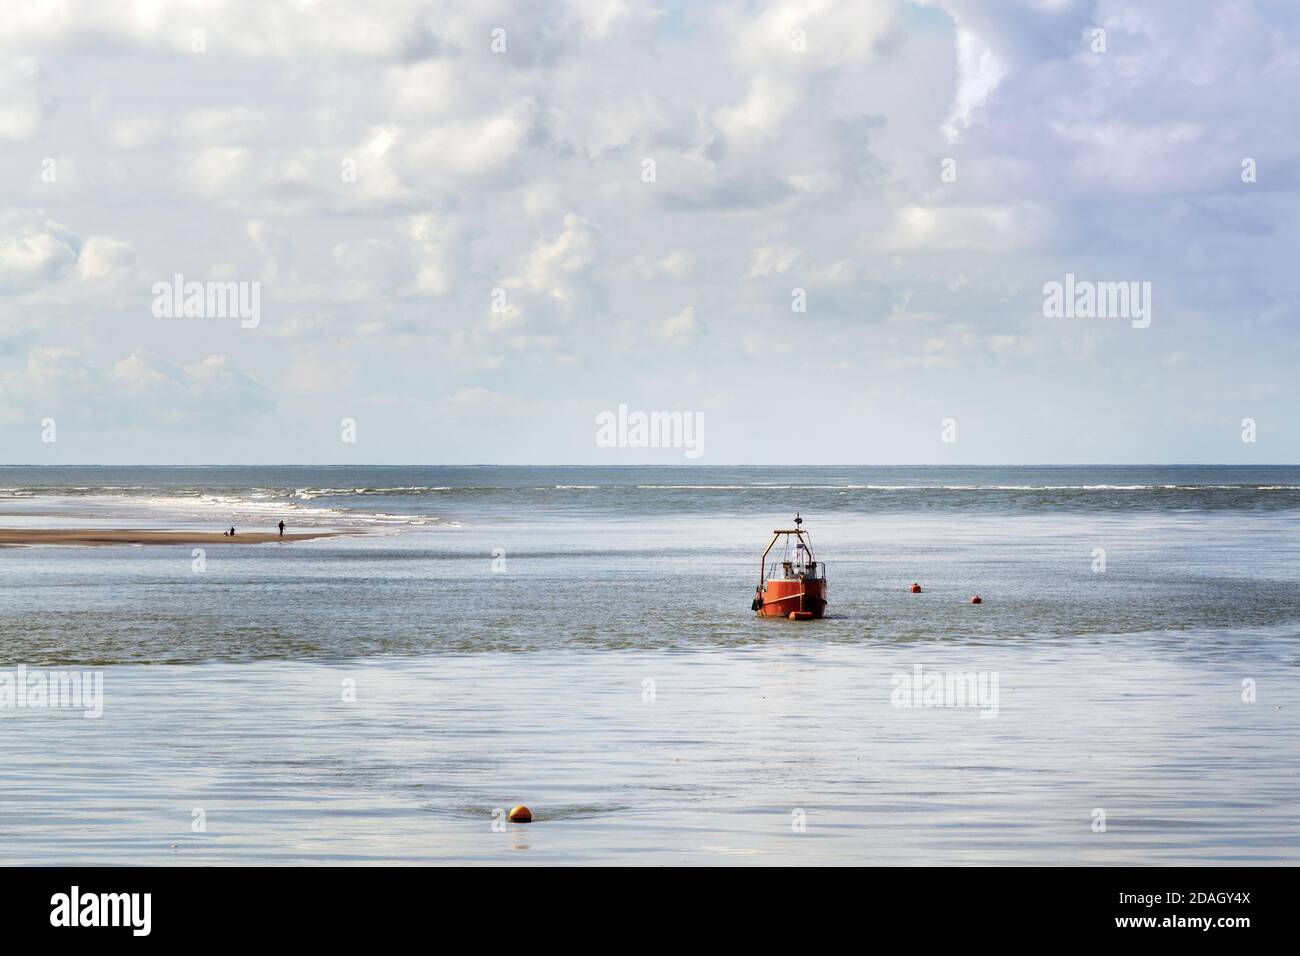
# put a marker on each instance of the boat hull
(780, 598)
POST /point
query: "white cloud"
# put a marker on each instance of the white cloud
(219, 171)
(225, 124)
(311, 372)
(103, 257)
(22, 107)
(432, 240)
(836, 33)
(980, 73)
(986, 228)
(767, 260)
(469, 149)
(835, 273)
(505, 317)
(275, 246)
(676, 329)
(475, 170)
(138, 390)
(760, 114)
(556, 262)
(35, 254)
(677, 264)
(209, 388)
(372, 269)
(246, 28)
(135, 132)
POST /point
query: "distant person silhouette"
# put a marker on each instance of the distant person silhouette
(232, 532)
(282, 529)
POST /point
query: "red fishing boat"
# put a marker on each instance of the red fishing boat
(794, 585)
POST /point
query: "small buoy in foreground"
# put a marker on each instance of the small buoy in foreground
(915, 589)
(977, 600)
(520, 814)
(801, 615)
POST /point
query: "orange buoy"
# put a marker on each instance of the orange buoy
(915, 589)
(977, 600)
(521, 814)
(801, 615)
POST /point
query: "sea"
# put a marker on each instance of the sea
(579, 640)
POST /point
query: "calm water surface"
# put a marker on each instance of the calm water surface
(579, 640)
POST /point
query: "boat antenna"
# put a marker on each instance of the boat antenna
(797, 520)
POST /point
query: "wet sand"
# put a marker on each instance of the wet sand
(85, 536)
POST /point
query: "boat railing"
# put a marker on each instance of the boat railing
(789, 571)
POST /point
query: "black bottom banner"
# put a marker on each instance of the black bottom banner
(335, 906)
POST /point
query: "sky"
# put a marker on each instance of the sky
(821, 230)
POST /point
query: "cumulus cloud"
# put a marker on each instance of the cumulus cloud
(374, 268)
(103, 257)
(34, 254)
(382, 172)
(22, 104)
(556, 262)
(139, 390)
(244, 28)
(211, 389)
(677, 264)
(988, 228)
(766, 260)
(677, 329)
(432, 241)
(760, 114)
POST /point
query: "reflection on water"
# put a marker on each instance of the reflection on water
(711, 770)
